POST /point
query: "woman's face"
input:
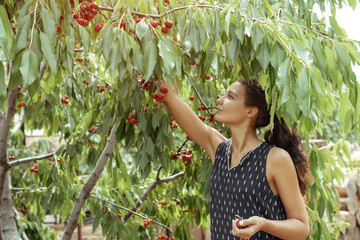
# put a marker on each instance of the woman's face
(231, 107)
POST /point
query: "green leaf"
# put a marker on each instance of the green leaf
(331, 61)
(257, 35)
(301, 51)
(353, 52)
(23, 33)
(156, 119)
(277, 55)
(227, 23)
(2, 80)
(48, 23)
(48, 52)
(150, 56)
(319, 55)
(303, 92)
(167, 57)
(85, 39)
(6, 33)
(343, 57)
(316, 80)
(232, 50)
(239, 32)
(263, 56)
(30, 67)
(284, 82)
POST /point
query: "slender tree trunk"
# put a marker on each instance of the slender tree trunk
(8, 225)
(6, 209)
(89, 185)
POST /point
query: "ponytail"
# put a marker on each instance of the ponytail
(280, 136)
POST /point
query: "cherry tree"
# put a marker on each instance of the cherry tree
(90, 72)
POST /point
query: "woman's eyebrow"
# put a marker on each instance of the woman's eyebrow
(229, 91)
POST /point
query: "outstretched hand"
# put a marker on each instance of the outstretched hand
(248, 228)
(172, 89)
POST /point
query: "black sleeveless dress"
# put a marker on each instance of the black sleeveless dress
(242, 190)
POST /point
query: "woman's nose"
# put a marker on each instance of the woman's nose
(219, 100)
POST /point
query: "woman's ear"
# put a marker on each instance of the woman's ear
(252, 111)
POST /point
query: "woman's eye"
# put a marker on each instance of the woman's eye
(230, 96)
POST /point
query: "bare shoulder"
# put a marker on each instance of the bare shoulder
(279, 159)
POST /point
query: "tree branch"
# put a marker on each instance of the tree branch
(201, 100)
(90, 184)
(30, 159)
(152, 187)
(130, 211)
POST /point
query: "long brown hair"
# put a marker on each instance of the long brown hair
(280, 136)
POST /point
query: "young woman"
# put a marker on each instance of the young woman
(261, 181)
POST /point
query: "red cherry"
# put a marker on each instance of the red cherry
(90, 16)
(130, 116)
(155, 96)
(238, 224)
(168, 24)
(164, 29)
(99, 27)
(137, 19)
(164, 90)
(184, 210)
(94, 11)
(207, 77)
(154, 24)
(18, 88)
(83, 8)
(133, 121)
(191, 98)
(85, 23)
(94, 5)
(58, 28)
(161, 96)
(104, 211)
(119, 216)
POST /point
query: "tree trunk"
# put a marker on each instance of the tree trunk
(89, 185)
(8, 225)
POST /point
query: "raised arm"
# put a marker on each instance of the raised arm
(205, 136)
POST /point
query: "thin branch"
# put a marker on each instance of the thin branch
(94, 75)
(33, 26)
(201, 100)
(182, 145)
(152, 187)
(130, 211)
(28, 189)
(163, 14)
(30, 159)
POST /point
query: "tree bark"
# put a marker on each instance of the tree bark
(8, 225)
(89, 185)
(5, 192)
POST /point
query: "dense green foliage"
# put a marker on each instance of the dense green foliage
(304, 66)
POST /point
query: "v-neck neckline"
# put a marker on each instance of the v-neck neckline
(229, 155)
